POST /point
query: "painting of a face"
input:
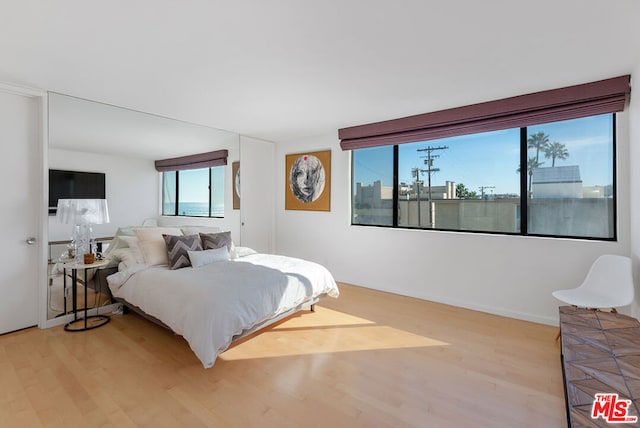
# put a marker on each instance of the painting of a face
(307, 181)
(307, 178)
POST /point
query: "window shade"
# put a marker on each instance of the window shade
(201, 160)
(589, 99)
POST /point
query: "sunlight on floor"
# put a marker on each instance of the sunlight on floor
(332, 332)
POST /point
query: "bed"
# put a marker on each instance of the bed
(212, 304)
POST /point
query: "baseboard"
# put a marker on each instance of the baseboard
(551, 320)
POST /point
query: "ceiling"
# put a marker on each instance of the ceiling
(285, 70)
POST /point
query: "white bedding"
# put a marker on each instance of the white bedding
(211, 304)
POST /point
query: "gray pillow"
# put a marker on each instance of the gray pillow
(178, 248)
(205, 257)
(212, 241)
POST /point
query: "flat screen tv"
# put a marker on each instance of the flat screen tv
(74, 185)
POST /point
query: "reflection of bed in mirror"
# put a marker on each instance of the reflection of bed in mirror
(121, 143)
(225, 293)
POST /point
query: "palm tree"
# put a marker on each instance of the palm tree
(463, 193)
(555, 151)
(538, 141)
(532, 163)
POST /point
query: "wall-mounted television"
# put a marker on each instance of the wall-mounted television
(74, 185)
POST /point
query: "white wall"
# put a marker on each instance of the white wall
(634, 159)
(506, 275)
(131, 189)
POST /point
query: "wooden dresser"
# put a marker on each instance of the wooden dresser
(600, 354)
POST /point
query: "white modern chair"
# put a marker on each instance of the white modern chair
(609, 284)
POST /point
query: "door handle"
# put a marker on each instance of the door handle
(31, 240)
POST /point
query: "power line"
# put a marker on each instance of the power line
(429, 158)
(482, 190)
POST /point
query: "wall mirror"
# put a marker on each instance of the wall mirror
(123, 144)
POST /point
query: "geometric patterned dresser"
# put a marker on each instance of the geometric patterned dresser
(600, 354)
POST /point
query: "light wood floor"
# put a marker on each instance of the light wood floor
(368, 359)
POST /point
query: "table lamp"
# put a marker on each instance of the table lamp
(82, 214)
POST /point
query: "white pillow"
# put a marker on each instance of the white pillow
(134, 245)
(127, 258)
(152, 244)
(116, 243)
(205, 257)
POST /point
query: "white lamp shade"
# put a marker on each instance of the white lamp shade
(82, 211)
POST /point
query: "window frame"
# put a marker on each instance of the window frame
(524, 212)
(177, 194)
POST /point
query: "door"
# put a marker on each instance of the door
(20, 178)
(257, 175)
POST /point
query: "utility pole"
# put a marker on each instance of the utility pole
(416, 172)
(430, 169)
(482, 190)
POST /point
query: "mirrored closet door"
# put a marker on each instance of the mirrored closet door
(121, 144)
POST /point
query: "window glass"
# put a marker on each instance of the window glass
(372, 191)
(193, 192)
(570, 178)
(473, 182)
(461, 183)
(169, 193)
(217, 192)
(200, 192)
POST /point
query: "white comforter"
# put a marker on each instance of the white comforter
(211, 304)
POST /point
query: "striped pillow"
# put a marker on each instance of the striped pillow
(178, 248)
(211, 241)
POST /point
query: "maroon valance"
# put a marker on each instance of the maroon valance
(589, 99)
(201, 160)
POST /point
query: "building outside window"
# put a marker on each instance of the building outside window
(372, 189)
(476, 183)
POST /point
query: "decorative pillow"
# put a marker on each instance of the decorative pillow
(152, 245)
(178, 248)
(134, 245)
(117, 243)
(126, 258)
(205, 257)
(217, 240)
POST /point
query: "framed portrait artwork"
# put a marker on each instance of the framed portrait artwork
(308, 181)
(235, 173)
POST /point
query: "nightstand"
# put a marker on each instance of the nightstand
(87, 322)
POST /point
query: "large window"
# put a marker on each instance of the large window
(476, 183)
(193, 192)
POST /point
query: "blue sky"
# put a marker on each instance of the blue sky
(194, 185)
(491, 159)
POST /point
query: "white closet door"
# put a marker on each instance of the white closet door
(20, 178)
(257, 204)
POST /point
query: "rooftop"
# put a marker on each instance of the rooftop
(556, 174)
